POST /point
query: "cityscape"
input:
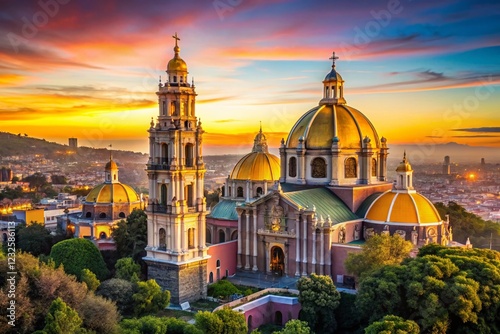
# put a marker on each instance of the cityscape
(249, 167)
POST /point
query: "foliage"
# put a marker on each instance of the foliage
(58, 179)
(119, 291)
(61, 319)
(234, 322)
(319, 299)
(130, 235)
(77, 254)
(37, 180)
(34, 239)
(346, 314)
(178, 326)
(444, 289)
(295, 327)
(378, 251)
(466, 224)
(150, 298)
(392, 324)
(99, 314)
(146, 325)
(222, 289)
(11, 193)
(90, 279)
(127, 269)
(209, 322)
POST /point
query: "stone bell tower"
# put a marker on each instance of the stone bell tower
(176, 250)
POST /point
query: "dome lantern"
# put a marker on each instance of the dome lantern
(177, 67)
(405, 175)
(333, 86)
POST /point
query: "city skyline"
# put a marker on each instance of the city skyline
(422, 73)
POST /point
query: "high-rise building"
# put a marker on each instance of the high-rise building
(176, 251)
(446, 165)
(73, 142)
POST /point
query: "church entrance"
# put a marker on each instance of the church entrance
(277, 264)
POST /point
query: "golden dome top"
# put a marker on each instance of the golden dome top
(320, 125)
(403, 207)
(111, 165)
(176, 64)
(258, 165)
(404, 166)
(112, 193)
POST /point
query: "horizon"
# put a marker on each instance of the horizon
(420, 80)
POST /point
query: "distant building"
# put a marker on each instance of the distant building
(73, 142)
(5, 174)
(483, 162)
(446, 166)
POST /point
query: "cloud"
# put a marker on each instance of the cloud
(481, 129)
(475, 136)
(214, 100)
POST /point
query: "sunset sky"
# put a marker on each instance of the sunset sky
(421, 71)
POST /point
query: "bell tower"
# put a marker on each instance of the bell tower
(176, 250)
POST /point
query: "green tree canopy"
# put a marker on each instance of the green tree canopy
(130, 235)
(61, 319)
(223, 289)
(127, 269)
(37, 180)
(295, 327)
(150, 298)
(119, 291)
(99, 314)
(392, 324)
(34, 239)
(208, 322)
(319, 299)
(234, 322)
(378, 251)
(145, 325)
(77, 254)
(90, 279)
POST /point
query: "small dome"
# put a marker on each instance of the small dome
(319, 125)
(404, 166)
(333, 75)
(176, 64)
(111, 165)
(112, 193)
(404, 208)
(257, 166)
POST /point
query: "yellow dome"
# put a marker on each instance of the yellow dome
(404, 208)
(319, 126)
(257, 166)
(176, 64)
(111, 165)
(112, 193)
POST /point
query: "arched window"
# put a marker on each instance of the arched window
(350, 168)
(217, 263)
(88, 215)
(211, 277)
(175, 78)
(239, 192)
(250, 322)
(208, 236)
(318, 168)
(222, 236)
(163, 239)
(114, 177)
(164, 154)
(121, 215)
(278, 318)
(189, 155)
(374, 167)
(188, 194)
(102, 215)
(292, 167)
(191, 238)
(234, 235)
(259, 191)
(172, 109)
(163, 194)
(102, 235)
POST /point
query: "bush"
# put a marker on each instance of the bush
(223, 289)
(127, 269)
(99, 314)
(90, 279)
(150, 298)
(119, 291)
(78, 254)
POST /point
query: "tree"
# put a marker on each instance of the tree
(148, 324)
(58, 179)
(77, 254)
(119, 291)
(295, 327)
(234, 322)
(127, 269)
(378, 251)
(223, 289)
(34, 239)
(90, 279)
(208, 322)
(37, 180)
(99, 314)
(150, 298)
(391, 324)
(179, 326)
(319, 299)
(130, 235)
(61, 319)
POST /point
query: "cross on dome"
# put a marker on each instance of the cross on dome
(178, 39)
(333, 58)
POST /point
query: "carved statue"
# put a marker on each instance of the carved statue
(342, 235)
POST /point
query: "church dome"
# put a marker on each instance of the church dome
(111, 165)
(177, 64)
(404, 208)
(259, 164)
(404, 166)
(112, 193)
(320, 125)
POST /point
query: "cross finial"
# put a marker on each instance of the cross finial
(260, 126)
(176, 38)
(110, 146)
(333, 58)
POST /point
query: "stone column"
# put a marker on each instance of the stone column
(297, 245)
(382, 160)
(322, 252)
(304, 245)
(283, 161)
(266, 251)
(301, 170)
(254, 239)
(247, 240)
(247, 191)
(239, 239)
(265, 187)
(313, 260)
(329, 252)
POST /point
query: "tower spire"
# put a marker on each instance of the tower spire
(333, 58)
(176, 48)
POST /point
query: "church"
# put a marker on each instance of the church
(295, 215)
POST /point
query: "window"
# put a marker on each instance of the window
(211, 277)
(175, 78)
(163, 239)
(218, 263)
(191, 238)
(208, 236)
(234, 235)
(292, 167)
(374, 167)
(222, 236)
(102, 215)
(121, 215)
(189, 155)
(163, 194)
(164, 154)
(188, 193)
(239, 192)
(88, 215)
(259, 191)
(172, 108)
(102, 236)
(318, 168)
(350, 168)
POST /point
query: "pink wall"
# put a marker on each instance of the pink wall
(267, 313)
(339, 255)
(226, 254)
